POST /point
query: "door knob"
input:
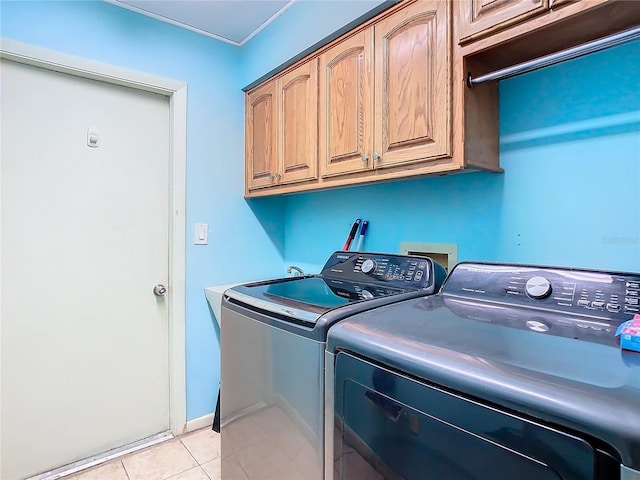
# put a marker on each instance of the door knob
(159, 290)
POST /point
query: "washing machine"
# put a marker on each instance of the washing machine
(273, 337)
(510, 372)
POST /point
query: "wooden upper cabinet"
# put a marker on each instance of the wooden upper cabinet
(387, 100)
(281, 125)
(260, 142)
(298, 124)
(412, 85)
(346, 106)
(480, 18)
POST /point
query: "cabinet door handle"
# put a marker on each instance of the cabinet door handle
(278, 177)
(376, 157)
(272, 176)
(364, 158)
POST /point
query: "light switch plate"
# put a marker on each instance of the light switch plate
(92, 136)
(201, 234)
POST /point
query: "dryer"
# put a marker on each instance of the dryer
(510, 372)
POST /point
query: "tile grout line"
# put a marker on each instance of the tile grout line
(190, 468)
(187, 449)
(187, 470)
(125, 469)
(205, 472)
(198, 464)
(196, 460)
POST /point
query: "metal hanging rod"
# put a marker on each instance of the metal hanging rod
(568, 54)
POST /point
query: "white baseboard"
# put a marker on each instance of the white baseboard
(200, 422)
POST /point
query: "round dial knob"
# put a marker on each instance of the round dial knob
(536, 325)
(368, 266)
(538, 287)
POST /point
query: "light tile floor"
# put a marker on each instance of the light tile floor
(194, 456)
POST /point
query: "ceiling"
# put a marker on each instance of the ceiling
(232, 21)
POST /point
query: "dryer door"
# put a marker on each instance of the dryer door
(393, 427)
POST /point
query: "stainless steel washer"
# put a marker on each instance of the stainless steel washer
(509, 372)
(272, 354)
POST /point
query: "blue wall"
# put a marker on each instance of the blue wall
(570, 147)
(570, 194)
(242, 245)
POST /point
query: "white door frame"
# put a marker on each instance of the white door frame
(177, 93)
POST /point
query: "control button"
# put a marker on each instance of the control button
(633, 293)
(538, 287)
(613, 307)
(628, 309)
(366, 294)
(584, 303)
(418, 276)
(536, 326)
(632, 300)
(633, 285)
(599, 305)
(368, 266)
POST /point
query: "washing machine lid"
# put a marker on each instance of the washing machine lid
(306, 299)
(346, 279)
(583, 382)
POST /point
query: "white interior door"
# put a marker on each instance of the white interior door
(84, 229)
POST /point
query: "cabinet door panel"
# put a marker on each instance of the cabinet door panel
(261, 136)
(482, 17)
(298, 115)
(346, 106)
(412, 78)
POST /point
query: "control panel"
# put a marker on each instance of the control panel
(614, 296)
(383, 272)
(548, 322)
